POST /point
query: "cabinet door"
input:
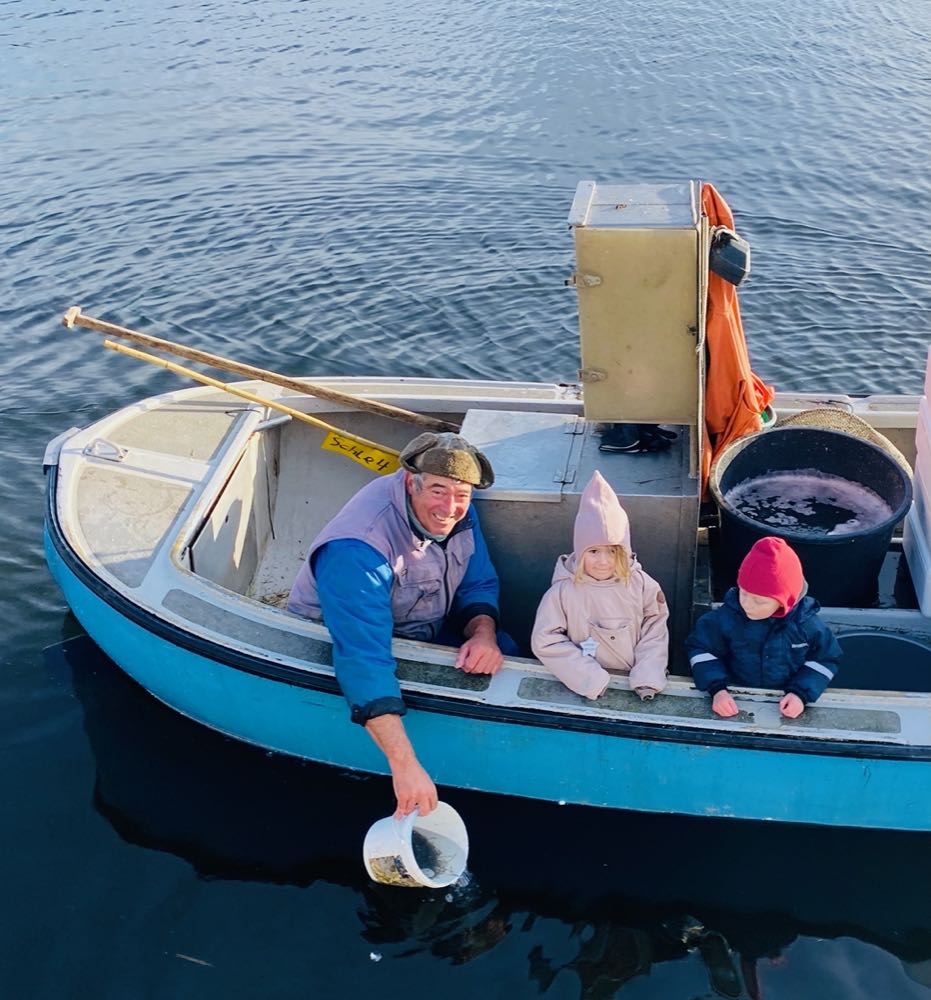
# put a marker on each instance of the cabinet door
(639, 324)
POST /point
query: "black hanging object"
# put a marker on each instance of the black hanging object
(730, 255)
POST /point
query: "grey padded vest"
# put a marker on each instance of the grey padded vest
(426, 574)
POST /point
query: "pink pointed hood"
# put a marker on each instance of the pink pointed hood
(601, 519)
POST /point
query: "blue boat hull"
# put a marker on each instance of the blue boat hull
(614, 767)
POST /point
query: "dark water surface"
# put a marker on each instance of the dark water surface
(352, 188)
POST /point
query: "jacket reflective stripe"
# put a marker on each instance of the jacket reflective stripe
(815, 665)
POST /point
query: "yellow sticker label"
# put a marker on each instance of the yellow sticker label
(382, 462)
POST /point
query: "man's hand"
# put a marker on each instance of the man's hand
(791, 706)
(413, 787)
(479, 654)
(724, 705)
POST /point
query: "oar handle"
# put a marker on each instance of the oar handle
(74, 317)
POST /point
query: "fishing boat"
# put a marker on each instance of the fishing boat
(176, 525)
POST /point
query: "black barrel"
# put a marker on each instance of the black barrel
(842, 570)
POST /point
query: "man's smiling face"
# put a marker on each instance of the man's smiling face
(440, 503)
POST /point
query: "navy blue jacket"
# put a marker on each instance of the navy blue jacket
(797, 654)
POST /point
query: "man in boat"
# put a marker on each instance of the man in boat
(405, 556)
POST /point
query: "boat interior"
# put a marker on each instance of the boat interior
(271, 487)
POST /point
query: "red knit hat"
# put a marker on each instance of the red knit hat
(772, 569)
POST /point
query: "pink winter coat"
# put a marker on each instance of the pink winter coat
(622, 625)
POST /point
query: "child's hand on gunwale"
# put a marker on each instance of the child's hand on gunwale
(791, 706)
(723, 704)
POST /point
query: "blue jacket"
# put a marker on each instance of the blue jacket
(355, 583)
(797, 654)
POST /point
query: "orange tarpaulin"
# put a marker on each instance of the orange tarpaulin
(734, 396)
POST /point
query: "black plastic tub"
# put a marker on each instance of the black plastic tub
(842, 570)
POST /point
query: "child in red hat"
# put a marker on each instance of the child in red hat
(766, 634)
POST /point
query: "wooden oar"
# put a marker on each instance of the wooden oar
(380, 457)
(74, 317)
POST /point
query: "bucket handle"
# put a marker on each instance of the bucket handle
(404, 825)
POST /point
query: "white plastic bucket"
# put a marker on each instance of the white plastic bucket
(417, 850)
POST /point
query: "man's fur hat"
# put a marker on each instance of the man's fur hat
(448, 455)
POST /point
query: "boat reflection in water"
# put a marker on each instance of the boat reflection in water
(634, 890)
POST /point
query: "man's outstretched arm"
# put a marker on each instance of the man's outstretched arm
(413, 787)
(354, 582)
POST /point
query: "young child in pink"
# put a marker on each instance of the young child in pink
(603, 612)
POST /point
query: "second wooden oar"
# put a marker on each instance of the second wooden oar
(74, 317)
(381, 458)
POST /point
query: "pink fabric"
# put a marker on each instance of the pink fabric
(772, 569)
(601, 520)
(623, 624)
